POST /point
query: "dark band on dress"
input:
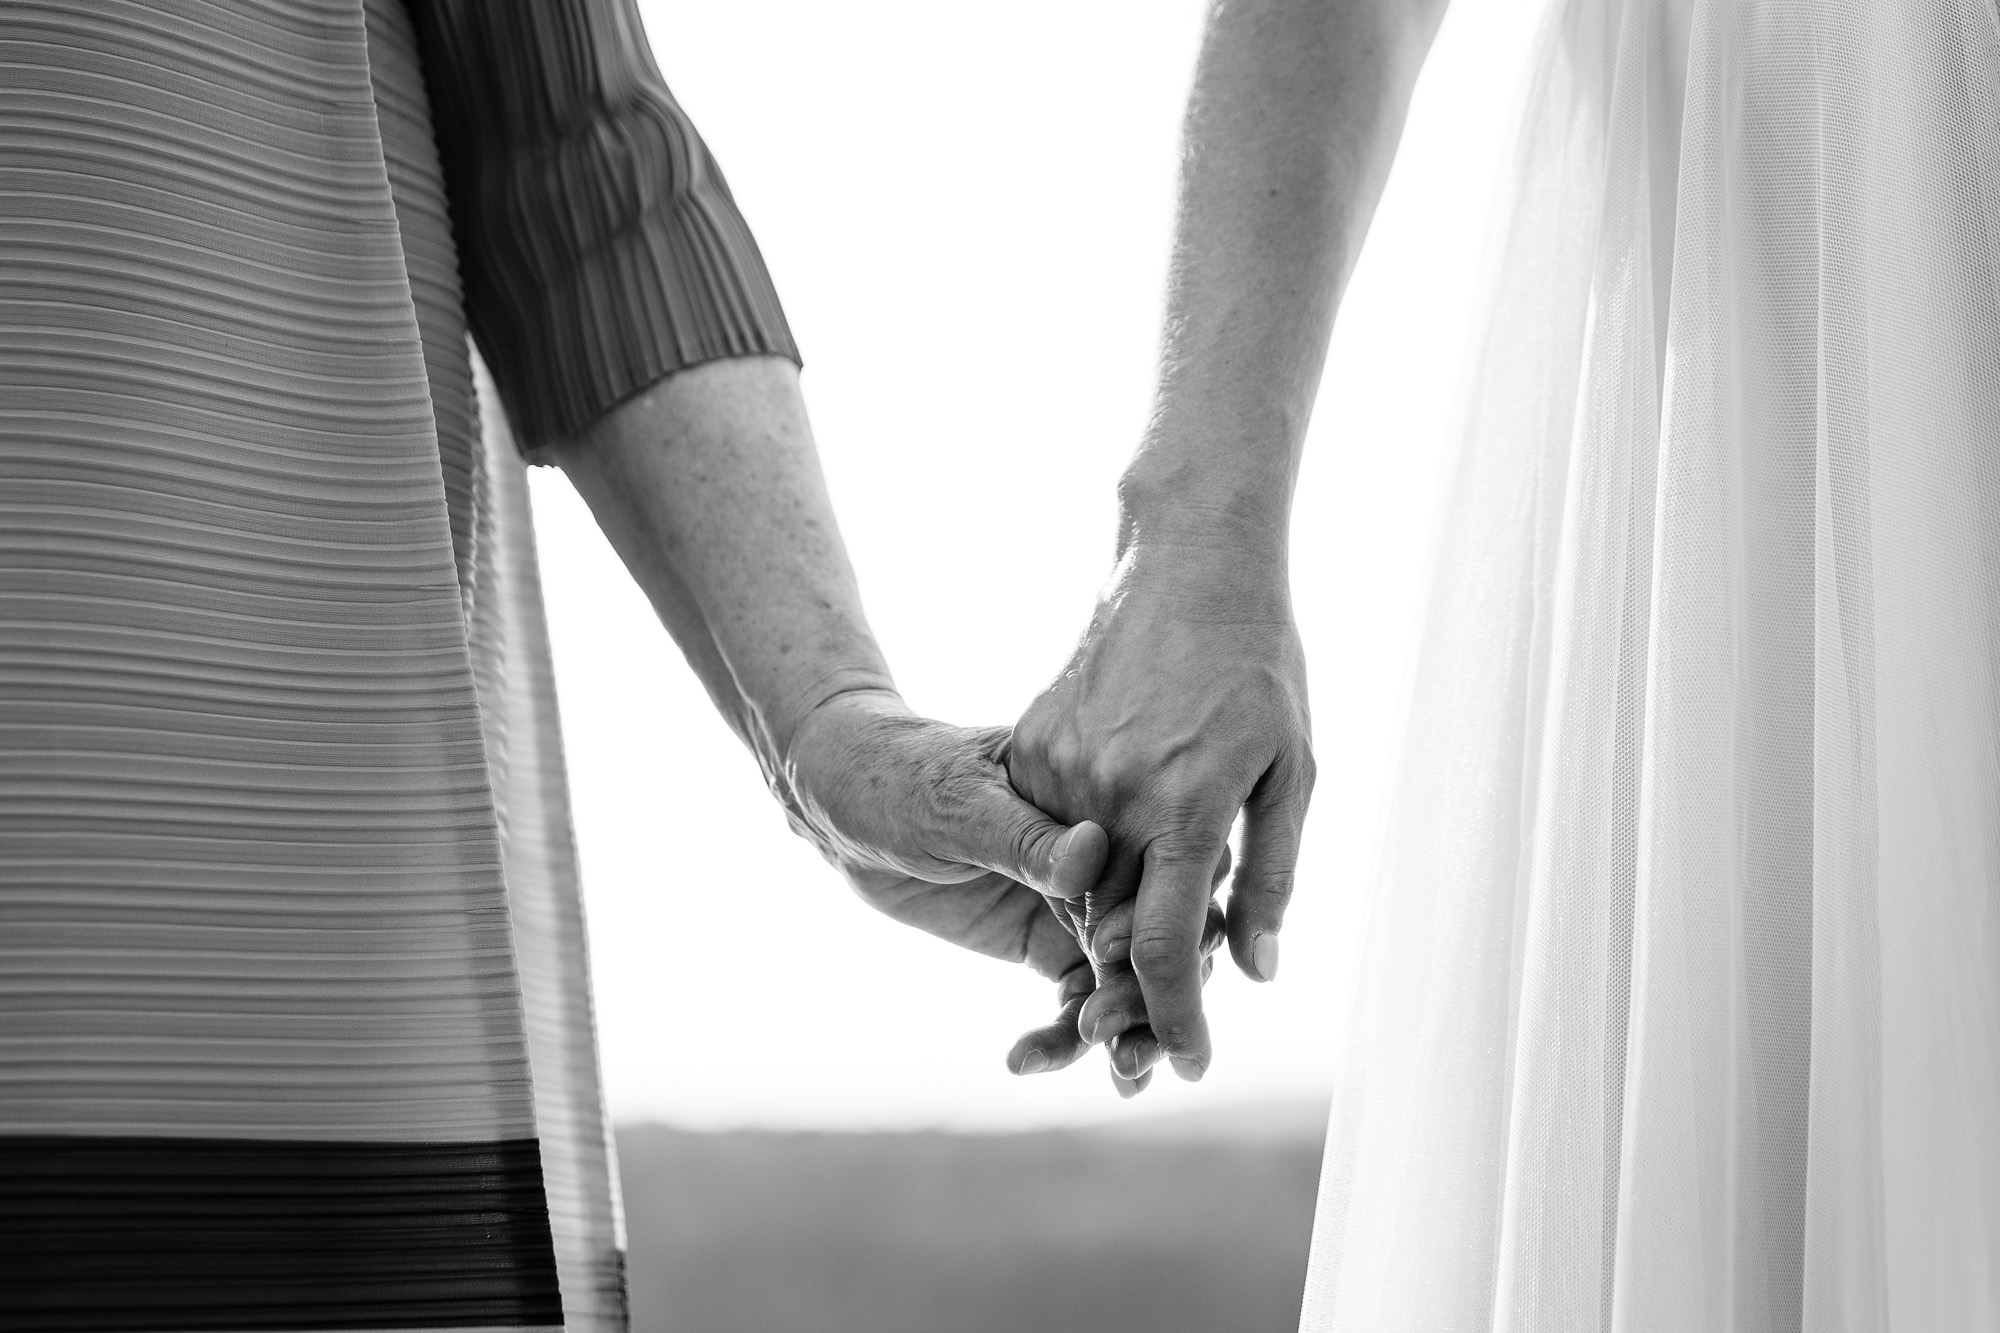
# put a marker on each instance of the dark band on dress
(117, 1235)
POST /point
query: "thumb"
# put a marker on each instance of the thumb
(997, 830)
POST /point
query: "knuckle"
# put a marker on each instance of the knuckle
(1188, 838)
(1308, 772)
(1120, 988)
(1110, 771)
(1275, 886)
(1188, 829)
(1158, 952)
(1062, 752)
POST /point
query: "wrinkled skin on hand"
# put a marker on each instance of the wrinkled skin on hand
(1184, 704)
(919, 817)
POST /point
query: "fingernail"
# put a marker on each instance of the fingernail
(1264, 956)
(1189, 1070)
(1127, 1088)
(1112, 1022)
(1034, 1062)
(1087, 1020)
(1061, 849)
(1142, 1055)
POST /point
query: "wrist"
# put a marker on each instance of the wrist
(1190, 549)
(817, 756)
(856, 689)
(1229, 510)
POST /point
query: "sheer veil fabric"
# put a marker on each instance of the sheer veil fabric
(1680, 1006)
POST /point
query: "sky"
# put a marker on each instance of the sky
(966, 209)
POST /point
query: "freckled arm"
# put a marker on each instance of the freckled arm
(709, 487)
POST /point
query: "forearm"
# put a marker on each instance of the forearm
(1293, 123)
(709, 488)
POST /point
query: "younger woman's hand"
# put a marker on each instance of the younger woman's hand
(1184, 704)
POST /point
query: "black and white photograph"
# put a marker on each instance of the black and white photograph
(1087, 666)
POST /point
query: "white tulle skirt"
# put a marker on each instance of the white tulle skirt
(1681, 1004)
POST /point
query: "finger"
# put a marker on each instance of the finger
(1055, 1044)
(1112, 941)
(1118, 1009)
(1068, 913)
(1134, 1051)
(1166, 948)
(1273, 820)
(1119, 1002)
(1115, 1005)
(1118, 884)
(1118, 888)
(1213, 928)
(1076, 984)
(1129, 1088)
(1051, 949)
(1050, 1047)
(987, 825)
(1072, 913)
(1108, 908)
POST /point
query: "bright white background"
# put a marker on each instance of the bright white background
(966, 208)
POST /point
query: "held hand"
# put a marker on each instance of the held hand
(919, 817)
(1185, 703)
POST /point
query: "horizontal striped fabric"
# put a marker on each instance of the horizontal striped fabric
(295, 1025)
(253, 882)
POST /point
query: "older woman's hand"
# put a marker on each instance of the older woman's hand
(919, 817)
(708, 486)
(1184, 703)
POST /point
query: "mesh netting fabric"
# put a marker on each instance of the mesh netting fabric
(1680, 1007)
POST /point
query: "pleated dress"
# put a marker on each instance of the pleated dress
(295, 1019)
(1680, 1003)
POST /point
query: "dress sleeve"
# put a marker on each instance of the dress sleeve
(599, 247)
